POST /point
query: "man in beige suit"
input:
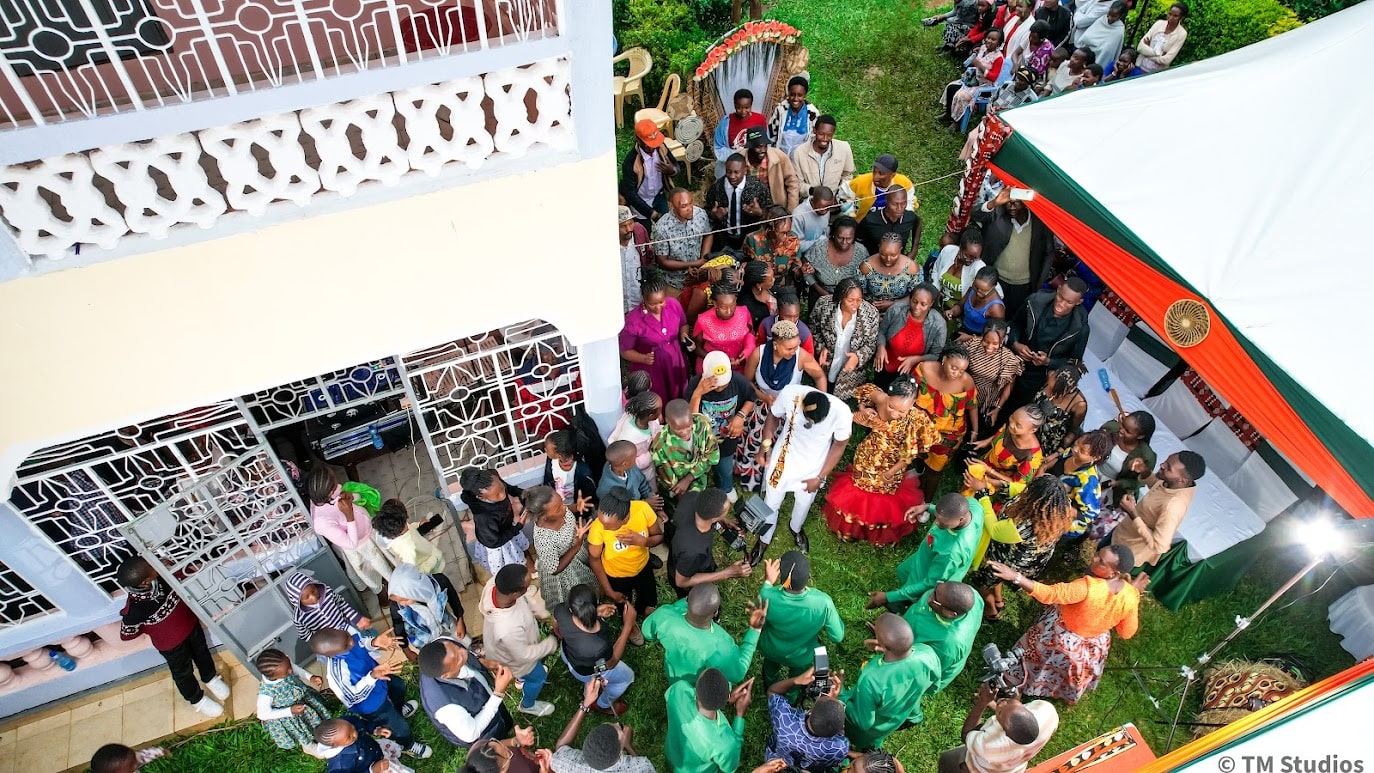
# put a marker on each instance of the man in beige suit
(773, 167)
(823, 160)
(1149, 528)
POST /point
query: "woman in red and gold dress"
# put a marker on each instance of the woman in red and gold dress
(871, 499)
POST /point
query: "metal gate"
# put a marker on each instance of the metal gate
(225, 544)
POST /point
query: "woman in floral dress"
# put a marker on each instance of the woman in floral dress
(775, 244)
(560, 545)
(871, 500)
(946, 392)
(288, 709)
(1013, 455)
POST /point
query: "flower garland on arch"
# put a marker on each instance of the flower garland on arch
(745, 35)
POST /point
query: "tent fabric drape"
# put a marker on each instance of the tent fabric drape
(1290, 417)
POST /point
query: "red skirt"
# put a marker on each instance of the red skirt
(853, 513)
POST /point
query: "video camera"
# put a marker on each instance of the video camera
(820, 683)
(732, 536)
(1000, 667)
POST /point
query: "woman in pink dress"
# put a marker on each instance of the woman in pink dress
(727, 327)
(652, 339)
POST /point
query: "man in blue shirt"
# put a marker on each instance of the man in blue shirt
(810, 740)
(372, 690)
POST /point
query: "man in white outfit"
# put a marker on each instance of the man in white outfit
(814, 428)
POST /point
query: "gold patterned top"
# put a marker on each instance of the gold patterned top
(899, 441)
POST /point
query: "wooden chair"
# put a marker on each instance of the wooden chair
(659, 115)
(631, 85)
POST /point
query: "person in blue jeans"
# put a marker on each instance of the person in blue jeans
(372, 690)
(512, 635)
(588, 651)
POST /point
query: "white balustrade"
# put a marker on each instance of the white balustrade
(62, 204)
(262, 161)
(152, 205)
(332, 127)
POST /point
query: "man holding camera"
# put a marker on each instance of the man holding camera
(797, 616)
(887, 695)
(691, 561)
(1007, 742)
(693, 642)
(809, 740)
(608, 747)
(947, 619)
(946, 553)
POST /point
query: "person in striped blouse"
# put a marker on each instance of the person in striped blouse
(318, 607)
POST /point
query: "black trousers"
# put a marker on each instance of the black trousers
(640, 589)
(185, 659)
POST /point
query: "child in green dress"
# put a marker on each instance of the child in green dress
(289, 709)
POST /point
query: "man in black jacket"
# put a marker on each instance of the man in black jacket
(736, 202)
(1050, 331)
(1018, 245)
(646, 174)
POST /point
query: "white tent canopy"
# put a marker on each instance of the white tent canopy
(1245, 173)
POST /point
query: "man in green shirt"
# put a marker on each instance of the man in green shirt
(700, 738)
(798, 615)
(887, 694)
(945, 554)
(947, 619)
(693, 642)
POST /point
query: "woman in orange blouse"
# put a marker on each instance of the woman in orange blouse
(1067, 647)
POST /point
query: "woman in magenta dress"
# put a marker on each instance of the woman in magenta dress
(725, 327)
(652, 339)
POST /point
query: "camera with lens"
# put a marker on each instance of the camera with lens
(732, 536)
(1000, 667)
(820, 683)
(755, 515)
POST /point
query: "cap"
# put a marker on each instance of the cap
(886, 162)
(626, 214)
(716, 365)
(648, 133)
(753, 138)
(794, 570)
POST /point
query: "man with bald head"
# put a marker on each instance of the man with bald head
(887, 695)
(461, 696)
(693, 642)
(1008, 741)
(947, 619)
(946, 553)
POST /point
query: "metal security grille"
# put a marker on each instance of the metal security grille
(19, 602)
(79, 493)
(339, 390)
(490, 400)
(223, 538)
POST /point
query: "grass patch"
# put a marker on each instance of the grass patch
(873, 66)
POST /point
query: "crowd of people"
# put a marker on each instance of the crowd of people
(761, 326)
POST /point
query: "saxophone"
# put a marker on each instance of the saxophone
(776, 475)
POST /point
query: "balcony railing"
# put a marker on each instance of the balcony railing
(60, 205)
(69, 60)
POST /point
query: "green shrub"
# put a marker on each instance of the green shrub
(669, 30)
(1309, 10)
(1217, 26)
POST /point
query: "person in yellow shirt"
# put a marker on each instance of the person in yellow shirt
(618, 545)
(867, 191)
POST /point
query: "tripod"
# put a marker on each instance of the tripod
(1188, 674)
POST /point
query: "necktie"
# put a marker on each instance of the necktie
(734, 210)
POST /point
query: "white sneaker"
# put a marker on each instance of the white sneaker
(218, 687)
(539, 709)
(409, 709)
(417, 749)
(208, 706)
(733, 496)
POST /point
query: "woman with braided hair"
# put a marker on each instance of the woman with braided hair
(1013, 456)
(1076, 468)
(778, 364)
(1041, 515)
(642, 420)
(756, 291)
(1064, 407)
(870, 500)
(724, 328)
(946, 392)
(653, 336)
(696, 294)
(775, 244)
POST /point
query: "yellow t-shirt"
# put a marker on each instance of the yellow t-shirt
(622, 560)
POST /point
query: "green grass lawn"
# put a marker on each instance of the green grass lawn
(873, 66)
